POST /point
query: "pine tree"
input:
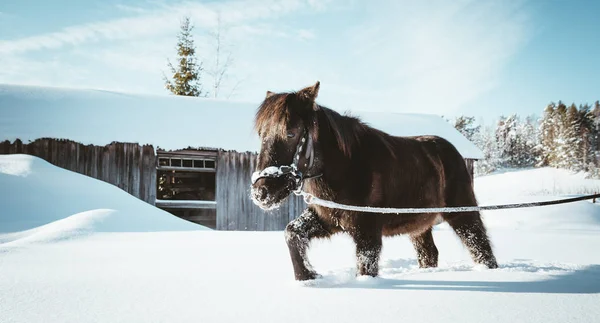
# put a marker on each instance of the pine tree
(547, 137)
(505, 136)
(527, 132)
(485, 139)
(560, 129)
(466, 126)
(186, 79)
(573, 140)
(595, 116)
(585, 122)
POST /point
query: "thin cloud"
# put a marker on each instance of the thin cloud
(151, 23)
(437, 56)
(306, 34)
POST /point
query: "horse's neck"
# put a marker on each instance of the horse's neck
(339, 169)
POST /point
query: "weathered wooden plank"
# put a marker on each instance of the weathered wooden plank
(125, 168)
(74, 157)
(4, 146)
(220, 182)
(135, 171)
(63, 152)
(152, 185)
(95, 162)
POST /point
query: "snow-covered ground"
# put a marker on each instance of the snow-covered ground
(549, 263)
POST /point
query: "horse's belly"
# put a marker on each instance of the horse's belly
(410, 224)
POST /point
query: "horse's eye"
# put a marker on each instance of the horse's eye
(291, 135)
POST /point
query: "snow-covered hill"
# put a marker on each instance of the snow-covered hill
(40, 201)
(549, 263)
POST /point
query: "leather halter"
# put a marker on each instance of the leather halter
(293, 168)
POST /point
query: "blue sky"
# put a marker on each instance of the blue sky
(481, 58)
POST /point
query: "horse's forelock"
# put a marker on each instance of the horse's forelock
(272, 116)
(276, 112)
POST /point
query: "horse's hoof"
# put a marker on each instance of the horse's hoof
(429, 265)
(492, 265)
(309, 275)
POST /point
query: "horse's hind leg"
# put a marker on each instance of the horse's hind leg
(469, 227)
(298, 234)
(427, 253)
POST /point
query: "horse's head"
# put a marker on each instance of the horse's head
(286, 125)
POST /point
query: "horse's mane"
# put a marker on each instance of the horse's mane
(350, 130)
(273, 115)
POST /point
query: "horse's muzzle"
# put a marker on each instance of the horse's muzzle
(269, 192)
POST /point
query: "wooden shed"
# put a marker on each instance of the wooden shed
(208, 185)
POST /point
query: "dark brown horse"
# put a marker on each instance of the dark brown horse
(341, 159)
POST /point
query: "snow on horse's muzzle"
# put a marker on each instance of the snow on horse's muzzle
(275, 172)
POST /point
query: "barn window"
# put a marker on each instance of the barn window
(186, 185)
(186, 178)
(164, 161)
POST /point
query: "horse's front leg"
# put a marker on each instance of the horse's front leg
(298, 234)
(368, 248)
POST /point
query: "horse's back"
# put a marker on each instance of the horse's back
(458, 188)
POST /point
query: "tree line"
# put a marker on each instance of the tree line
(565, 137)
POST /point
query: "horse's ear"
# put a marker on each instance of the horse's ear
(270, 94)
(311, 92)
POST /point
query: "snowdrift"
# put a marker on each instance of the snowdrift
(41, 201)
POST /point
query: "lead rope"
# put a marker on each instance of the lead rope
(311, 199)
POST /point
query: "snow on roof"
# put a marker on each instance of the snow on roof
(167, 121)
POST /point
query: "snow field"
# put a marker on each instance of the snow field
(68, 255)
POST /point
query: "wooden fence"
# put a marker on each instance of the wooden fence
(235, 210)
(129, 166)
